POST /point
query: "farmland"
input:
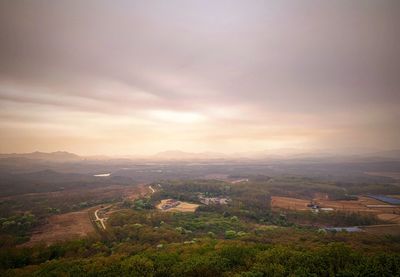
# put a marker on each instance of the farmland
(363, 204)
(395, 218)
(394, 175)
(289, 203)
(379, 230)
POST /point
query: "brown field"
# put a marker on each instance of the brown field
(63, 227)
(289, 203)
(395, 218)
(182, 207)
(385, 212)
(394, 175)
(354, 205)
(76, 224)
(379, 230)
(136, 192)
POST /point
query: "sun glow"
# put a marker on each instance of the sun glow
(176, 117)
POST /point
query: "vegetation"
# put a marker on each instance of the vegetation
(202, 258)
(243, 237)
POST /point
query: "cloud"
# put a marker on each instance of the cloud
(200, 74)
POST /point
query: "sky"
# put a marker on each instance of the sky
(139, 77)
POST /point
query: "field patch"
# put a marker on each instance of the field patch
(395, 218)
(393, 175)
(379, 230)
(63, 227)
(364, 204)
(289, 203)
(359, 205)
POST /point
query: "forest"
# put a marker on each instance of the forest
(245, 237)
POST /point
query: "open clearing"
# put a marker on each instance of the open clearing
(382, 210)
(395, 218)
(63, 227)
(289, 203)
(137, 192)
(359, 205)
(389, 229)
(394, 175)
(101, 219)
(182, 207)
(78, 224)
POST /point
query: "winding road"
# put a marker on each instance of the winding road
(101, 219)
(152, 190)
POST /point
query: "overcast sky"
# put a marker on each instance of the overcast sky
(138, 77)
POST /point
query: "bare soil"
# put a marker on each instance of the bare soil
(182, 207)
(289, 203)
(395, 218)
(384, 212)
(394, 175)
(380, 230)
(359, 205)
(63, 227)
(137, 192)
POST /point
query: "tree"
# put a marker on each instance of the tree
(137, 266)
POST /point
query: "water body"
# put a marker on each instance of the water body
(386, 199)
(102, 175)
(344, 229)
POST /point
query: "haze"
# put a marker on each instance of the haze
(138, 77)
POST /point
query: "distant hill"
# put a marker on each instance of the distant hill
(53, 156)
(181, 155)
(394, 154)
(290, 154)
(281, 154)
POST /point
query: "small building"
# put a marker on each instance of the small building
(213, 200)
(344, 229)
(171, 203)
(326, 209)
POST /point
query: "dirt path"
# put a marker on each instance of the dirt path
(79, 224)
(152, 190)
(101, 220)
